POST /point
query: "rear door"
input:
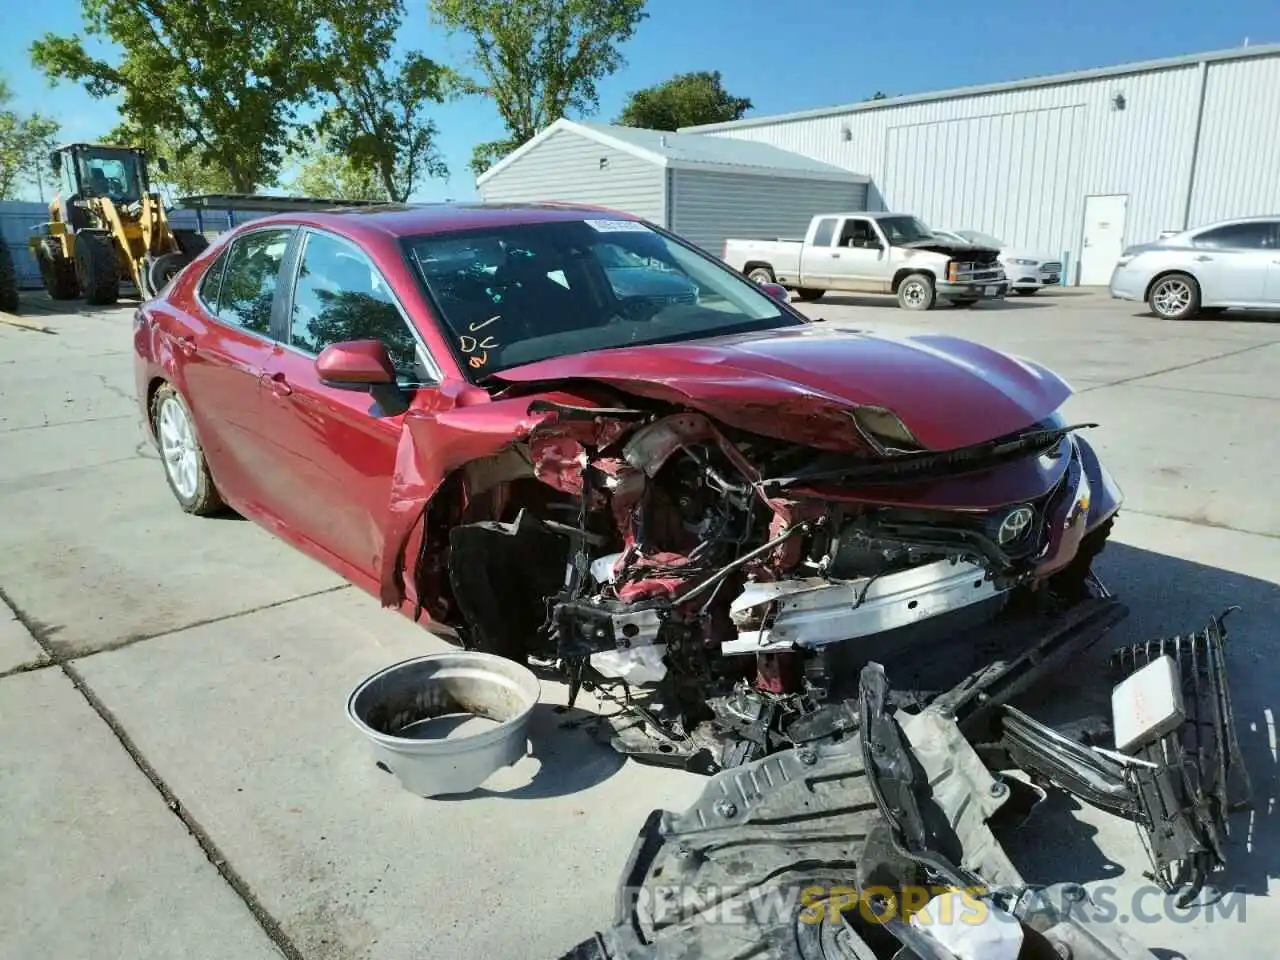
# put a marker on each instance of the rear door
(335, 449)
(1234, 263)
(818, 253)
(222, 352)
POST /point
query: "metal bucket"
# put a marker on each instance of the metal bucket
(446, 722)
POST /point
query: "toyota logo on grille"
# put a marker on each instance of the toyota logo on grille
(1013, 526)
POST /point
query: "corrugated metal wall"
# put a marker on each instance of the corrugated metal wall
(1019, 163)
(707, 206)
(567, 166)
(18, 217)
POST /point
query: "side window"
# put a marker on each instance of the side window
(340, 296)
(1258, 235)
(826, 230)
(250, 279)
(211, 282)
(857, 233)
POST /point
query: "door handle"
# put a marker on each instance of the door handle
(1203, 257)
(835, 256)
(185, 345)
(277, 382)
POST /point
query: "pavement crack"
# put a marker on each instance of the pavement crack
(1180, 366)
(269, 925)
(113, 389)
(136, 638)
(37, 664)
(68, 423)
(1202, 522)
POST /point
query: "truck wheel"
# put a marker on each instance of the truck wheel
(1175, 297)
(191, 242)
(808, 294)
(96, 269)
(761, 275)
(8, 280)
(916, 292)
(57, 272)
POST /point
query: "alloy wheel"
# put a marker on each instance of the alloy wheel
(1172, 297)
(178, 448)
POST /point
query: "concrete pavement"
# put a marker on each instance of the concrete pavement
(173, 735)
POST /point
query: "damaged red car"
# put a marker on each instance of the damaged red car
(565, 435)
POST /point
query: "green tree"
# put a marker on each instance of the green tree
(538, 59)
(225, 78)
(25, 142)
(685, 100)
(188, 175)
(335, 176)
(379, 122)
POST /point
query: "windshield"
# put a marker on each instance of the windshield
(518, 294)
(110, 173)
(982, 239)
(904, 229)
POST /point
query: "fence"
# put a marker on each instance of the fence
(18, 217)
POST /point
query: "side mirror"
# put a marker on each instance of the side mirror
(55, 162)
(355, 365)
(162, 164)
(777, 291)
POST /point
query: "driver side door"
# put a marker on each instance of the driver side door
(862, 259)
(336, 449)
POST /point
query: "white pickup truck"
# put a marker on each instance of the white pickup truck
(889, 253)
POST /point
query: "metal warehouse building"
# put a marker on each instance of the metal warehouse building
(703, 188)
(1078, 165)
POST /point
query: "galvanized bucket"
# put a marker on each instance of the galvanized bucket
(407, 710)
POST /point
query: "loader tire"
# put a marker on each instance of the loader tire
(8, 280)
(58, 273)
(161, 270)
(96, 269)
(191, 242)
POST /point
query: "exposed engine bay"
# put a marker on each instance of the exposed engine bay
(742, 601)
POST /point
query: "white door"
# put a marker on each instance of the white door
(1103, 238)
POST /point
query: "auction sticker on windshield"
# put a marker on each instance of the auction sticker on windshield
(619, 226)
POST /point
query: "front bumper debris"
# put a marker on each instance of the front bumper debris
(829, 849)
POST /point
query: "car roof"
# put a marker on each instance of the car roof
(398, 221)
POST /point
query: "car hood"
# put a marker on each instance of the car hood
(943, 245)
(1013, 253)
(802, 384)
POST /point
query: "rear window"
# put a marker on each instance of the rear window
(518, 294)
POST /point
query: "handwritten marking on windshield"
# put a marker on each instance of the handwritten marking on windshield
(473, 327)
(470, 345)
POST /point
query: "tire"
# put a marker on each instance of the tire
(57, 272)
(158, 272)
(761, 274)
(96, 269)
(1175, 296)
(8, 280)
(917, 292)
(1026, 291)
(191, 242)
(808, 294)
(185, 467)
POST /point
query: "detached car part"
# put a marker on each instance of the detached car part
(835, 850)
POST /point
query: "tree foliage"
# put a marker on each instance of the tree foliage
(685, 100)
(538, 59)
(336, 176)
(188, 175)
(25, 142)
(225, 78)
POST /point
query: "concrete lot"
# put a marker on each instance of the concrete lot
(179, 780)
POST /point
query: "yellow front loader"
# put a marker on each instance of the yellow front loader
(106, 226)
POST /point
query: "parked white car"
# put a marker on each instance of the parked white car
(1027, 272)
(1231, 264)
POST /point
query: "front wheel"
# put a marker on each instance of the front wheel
(808, 294)
(1025, 291)
(916, 292)
(760, 275)
(184, 464)
(97, 273)
(1174, 297)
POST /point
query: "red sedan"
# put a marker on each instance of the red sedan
(565, 433)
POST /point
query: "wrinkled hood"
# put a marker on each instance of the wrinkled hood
(801, 383)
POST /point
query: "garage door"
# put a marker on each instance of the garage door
(1011, 174)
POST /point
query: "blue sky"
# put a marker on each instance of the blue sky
(783, 55)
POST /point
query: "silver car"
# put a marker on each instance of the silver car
(1028, 271)
(1231, 264)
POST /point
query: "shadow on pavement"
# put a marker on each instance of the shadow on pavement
(1167, 596)
(1229, 316)
(849, 300)
(565, 759)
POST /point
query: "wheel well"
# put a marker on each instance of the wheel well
(753, 264)
(1146, 294)
(906, 272)
(152, 388)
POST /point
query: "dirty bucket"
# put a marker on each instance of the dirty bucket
(446, 722)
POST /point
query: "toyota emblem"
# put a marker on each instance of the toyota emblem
(1014, 525)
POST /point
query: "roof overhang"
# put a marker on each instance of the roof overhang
(834, 175)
